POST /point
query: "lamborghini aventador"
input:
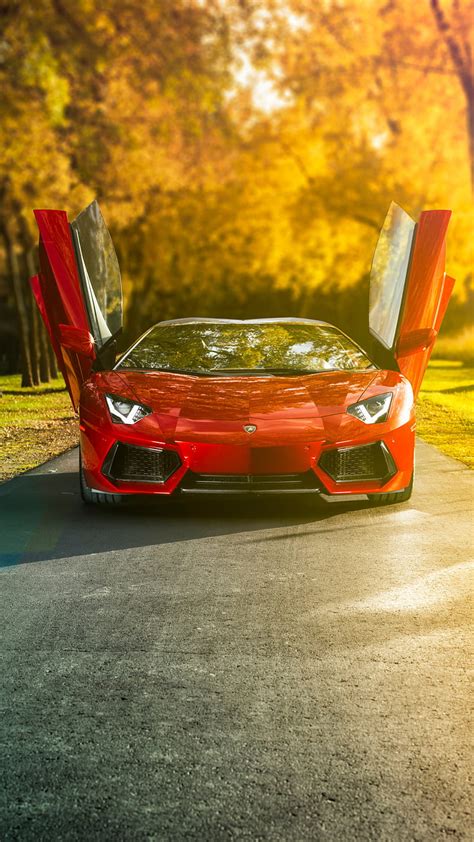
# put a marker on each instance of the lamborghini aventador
(262, 406)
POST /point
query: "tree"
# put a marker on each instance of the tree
(244, 153)
(456, 36)
(114, 102)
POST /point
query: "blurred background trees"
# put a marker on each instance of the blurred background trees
(244, 152)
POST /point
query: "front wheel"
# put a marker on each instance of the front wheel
(392, 496)
(94, 498)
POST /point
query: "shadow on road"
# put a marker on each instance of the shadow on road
(42, 517)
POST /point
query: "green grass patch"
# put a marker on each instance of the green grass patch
(445, 411)
(35, 424)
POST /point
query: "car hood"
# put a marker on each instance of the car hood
(215, 410)
(235, 398)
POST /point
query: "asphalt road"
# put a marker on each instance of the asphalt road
(214, 670)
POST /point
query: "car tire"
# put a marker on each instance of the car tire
(392, 496)
(95, 498)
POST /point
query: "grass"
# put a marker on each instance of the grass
(445, 412)
(35, 424)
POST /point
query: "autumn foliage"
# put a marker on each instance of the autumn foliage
(244, 152)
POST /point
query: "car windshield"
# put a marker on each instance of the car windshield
(245, 348)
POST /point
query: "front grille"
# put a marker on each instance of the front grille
(249, 483)
(352, 464)
(141, 464)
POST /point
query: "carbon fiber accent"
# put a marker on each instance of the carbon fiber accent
(129, 463)
(355, 464)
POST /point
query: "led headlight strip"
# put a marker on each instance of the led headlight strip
(373, 410)
(123, 411)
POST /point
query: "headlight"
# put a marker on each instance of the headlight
(123, 411)
(373, 410)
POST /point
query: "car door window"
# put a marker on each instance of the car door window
(99, 273)
(388, 274)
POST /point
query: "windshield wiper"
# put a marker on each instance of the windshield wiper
(276, 372)
(150, 370)
(230, 372)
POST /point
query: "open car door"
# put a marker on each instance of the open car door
(409, 289)
(78, 290)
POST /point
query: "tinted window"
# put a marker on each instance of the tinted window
(388, 274)
(99, 272)
(211, 348)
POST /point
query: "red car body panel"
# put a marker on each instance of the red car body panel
(58, 294)
(203, 418)
(297, 419)
(427, 292)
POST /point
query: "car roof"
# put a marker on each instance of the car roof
(203, 320)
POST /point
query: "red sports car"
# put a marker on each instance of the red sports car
(236, 407)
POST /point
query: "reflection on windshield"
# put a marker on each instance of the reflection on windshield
(388, 274)
(202, 348)
(99, 272)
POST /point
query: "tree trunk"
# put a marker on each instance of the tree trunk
(27, 376)
(34, 317)
(45, 369)
(461, 57)
(34, 342)
(53, 366)
(470, 127)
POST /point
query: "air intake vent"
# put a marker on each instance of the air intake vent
(249, 483)
(140, 464)
(355, 464)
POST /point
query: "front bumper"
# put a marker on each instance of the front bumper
(200, 468)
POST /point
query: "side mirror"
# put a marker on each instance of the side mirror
(78, 340)
(416, 340)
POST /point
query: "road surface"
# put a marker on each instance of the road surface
(216, 671)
